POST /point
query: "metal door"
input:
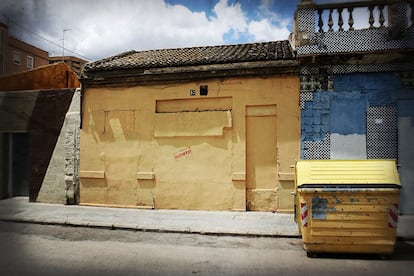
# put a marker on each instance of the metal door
(406, 155)
(20, 164)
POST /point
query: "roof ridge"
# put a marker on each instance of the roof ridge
(110, 58)
(212, 46)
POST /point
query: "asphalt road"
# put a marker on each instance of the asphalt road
(31, 249)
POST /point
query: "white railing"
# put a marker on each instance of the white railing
(353, 26)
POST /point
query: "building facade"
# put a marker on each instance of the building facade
(33, 119)
(204, 128)
(357, 96)
(75, 63)
(18, 56)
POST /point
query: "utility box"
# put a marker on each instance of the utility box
(347, 206)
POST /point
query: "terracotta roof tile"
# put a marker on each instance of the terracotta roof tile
(207, 55)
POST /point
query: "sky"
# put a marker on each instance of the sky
(95, 29)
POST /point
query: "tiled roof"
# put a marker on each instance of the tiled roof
(265, 51)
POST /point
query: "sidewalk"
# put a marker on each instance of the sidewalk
(264, 224)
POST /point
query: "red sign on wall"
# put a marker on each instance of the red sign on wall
(182, 153)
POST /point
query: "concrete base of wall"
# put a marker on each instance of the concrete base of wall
(61, 181)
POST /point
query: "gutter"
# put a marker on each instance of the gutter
(142, 76)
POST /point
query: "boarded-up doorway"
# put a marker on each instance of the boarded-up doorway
(261, 158)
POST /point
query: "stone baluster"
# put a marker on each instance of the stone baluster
(371, 17)
(320, 21)
(381, 16)
(350, 19)
(340, 20)
(330, 21)
(412, 13)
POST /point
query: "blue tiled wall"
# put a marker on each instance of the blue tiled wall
(343, 110)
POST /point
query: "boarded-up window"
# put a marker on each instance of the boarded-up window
(207, 123)
(192, 117)
(113, 121)
(119, 121)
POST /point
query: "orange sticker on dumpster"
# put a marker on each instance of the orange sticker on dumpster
(182, 153)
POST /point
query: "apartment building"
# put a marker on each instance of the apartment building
(18, 56)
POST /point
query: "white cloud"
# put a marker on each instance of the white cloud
(263, 30)
(229, 18)
(105, 27)
(271, 25)
(142, 25)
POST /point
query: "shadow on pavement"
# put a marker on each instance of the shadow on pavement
(404, 250)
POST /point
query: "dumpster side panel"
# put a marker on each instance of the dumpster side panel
(349, 222)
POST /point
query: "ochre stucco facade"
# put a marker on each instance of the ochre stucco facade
(158, 146)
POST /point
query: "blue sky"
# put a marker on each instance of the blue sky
(100, 28)
(250, 7)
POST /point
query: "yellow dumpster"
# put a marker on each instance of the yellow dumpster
(347, 206)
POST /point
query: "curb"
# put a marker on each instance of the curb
(114, 226)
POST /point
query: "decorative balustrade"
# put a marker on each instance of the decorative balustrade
(372, 14)
(353, 26)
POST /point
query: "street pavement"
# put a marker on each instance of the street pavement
(38, 249)
(266, 224)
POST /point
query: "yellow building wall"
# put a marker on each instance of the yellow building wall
(157, 146)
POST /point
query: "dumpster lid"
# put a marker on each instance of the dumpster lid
(344, 186)
(351, 173)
